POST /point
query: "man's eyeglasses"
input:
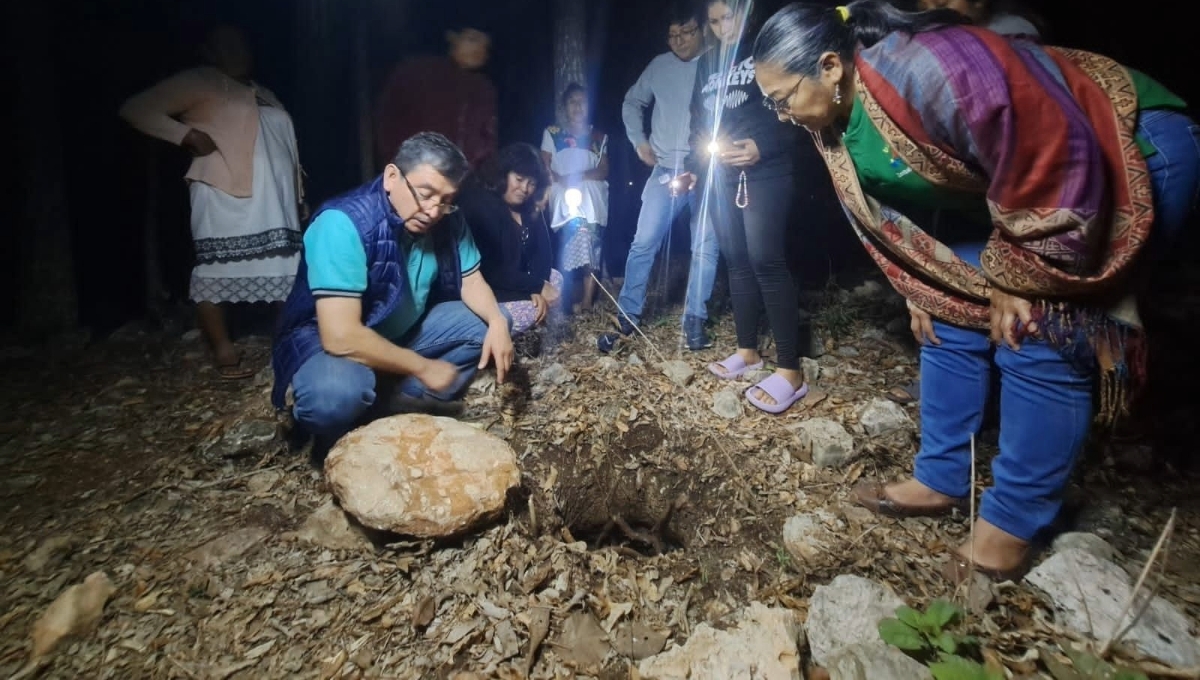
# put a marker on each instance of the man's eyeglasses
(683, 34)
(446, 208)
(778, 105)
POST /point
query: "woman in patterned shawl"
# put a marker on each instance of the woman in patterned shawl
(1067, 172)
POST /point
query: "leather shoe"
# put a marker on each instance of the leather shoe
(873, 496)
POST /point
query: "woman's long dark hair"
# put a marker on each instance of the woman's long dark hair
(519, 158)
(797, 36)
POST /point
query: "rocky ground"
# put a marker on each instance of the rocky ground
(222, 556)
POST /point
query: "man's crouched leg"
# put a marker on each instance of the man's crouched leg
(332, 394)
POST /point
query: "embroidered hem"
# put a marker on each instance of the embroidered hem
(241, 289)
(282, 241)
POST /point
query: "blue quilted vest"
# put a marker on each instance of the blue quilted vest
(297, 339)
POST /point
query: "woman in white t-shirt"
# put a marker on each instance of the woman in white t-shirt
(577, 156)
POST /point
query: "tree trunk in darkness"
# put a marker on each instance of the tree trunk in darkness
(570, 45)
(312, 72)
(46, 301)
(154, 289)
(317, 93)
(362, 92)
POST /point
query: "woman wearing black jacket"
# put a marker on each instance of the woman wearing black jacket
(749, 159)
(500, 205)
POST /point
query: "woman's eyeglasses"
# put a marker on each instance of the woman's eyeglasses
(782, 104)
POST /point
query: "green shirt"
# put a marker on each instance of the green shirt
(1152, 95)
(886, 177)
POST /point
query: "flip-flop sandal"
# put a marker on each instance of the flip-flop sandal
(780, 390)
(234, 371)
(909, 394)
(734, 367)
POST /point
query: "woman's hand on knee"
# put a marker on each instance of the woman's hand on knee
(542, 306)
(921, 324)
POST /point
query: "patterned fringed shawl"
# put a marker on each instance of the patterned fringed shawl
(1047, 135)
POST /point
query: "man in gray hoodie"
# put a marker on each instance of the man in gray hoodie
(667, 83)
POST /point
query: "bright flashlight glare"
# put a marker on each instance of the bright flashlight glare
(573, 197)
(714, 147)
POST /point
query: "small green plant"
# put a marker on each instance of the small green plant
(925, 636)
(783, 557)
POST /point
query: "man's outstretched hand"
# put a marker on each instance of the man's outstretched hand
(498, 346)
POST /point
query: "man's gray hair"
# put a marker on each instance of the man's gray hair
(434, 150)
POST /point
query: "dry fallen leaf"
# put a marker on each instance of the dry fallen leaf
(505, 641)
(853, 473)
(539, 625)
(638, 641)
(146, 603)
(536, 577)
(47, 551)
(583, 643)
(74, 612)
(425, 611)
(333, 666)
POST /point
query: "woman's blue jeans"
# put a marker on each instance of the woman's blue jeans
(1045, 402)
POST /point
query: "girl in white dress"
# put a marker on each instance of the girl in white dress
(577, 155)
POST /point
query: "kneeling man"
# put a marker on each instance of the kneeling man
(388, 305)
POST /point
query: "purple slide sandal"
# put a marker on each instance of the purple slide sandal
(735, 367)
(780, 390)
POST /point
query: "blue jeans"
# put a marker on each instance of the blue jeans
(1045, 402)
(1174, 176)
(1045, 415)
(333, 394)
(659, 210)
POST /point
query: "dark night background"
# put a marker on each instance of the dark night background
(105, 50)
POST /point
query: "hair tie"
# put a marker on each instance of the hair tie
(844, 13)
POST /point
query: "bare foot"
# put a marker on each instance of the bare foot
(750, 356)
(227, 355)
(795, 378)
(993, 548)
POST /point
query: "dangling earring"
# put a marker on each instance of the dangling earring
(837, 94)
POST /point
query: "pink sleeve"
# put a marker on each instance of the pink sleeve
(153, 111)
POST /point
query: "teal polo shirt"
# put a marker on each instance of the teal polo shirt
(337, 267)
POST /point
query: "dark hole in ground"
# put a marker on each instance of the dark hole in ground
(631, 537)
(614, 495)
